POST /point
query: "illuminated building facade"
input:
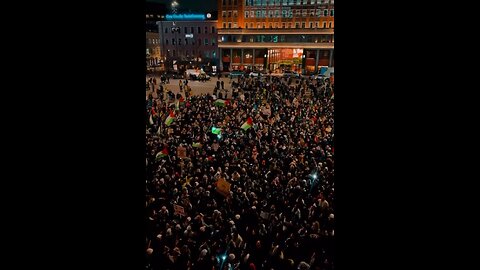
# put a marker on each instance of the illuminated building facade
(276, 34)
(188, 40)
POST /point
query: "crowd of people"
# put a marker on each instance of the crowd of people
(271, 145)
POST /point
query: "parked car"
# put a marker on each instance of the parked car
(254, 74)
(290, 73)
(235, 74)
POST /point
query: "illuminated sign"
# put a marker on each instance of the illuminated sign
(189, 35)
(180, 17)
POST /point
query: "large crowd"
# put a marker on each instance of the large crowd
(272, 141)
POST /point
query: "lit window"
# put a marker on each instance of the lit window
(318, 13)
(246, 14)
(224, 14)
(206, 41)
(235, 25)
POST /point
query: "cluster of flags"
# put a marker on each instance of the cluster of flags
(221, 102)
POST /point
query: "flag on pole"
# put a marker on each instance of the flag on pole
(248, 124)
(170, 119)
(162, 154)
(221, 102)
(216, 130)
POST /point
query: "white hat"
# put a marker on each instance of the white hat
(331, 216)
(237, 216)
(149, 251)
(231, 257)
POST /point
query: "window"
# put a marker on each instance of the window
(303, 24)
(258, 25)
(224, 25)
(166, 41)
(324, 25)
(318, 13)
(264, 13)
(252, 14)
(173, 41)
(224, 2)
(277, 13)
(298, 2)
(213, 29)
(179, 41)
(270, 13)
(297, 12)
(311, 24)
(207, 54)
(199, 31)
(230, 2)
(224, 14)
(186, 41)
(185, 30)
(229, 14)
(213, 41)
(270, 25)
(304, 13)
(166, 30)
(325, 12)
(285, 2)
(264, 25)
(251, 25)
(246, 26)
(312, 12)
(330, 25)
(276, 25)
(246, 14)
(247, 2)
(283, 25)
(297, 25)
(235, 25)
(331, 12)
(206, 30)
(229, 25)
(235, 2)
(258, 14)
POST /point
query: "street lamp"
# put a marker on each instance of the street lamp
(266, 62)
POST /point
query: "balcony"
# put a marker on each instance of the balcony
(294, 31)
(263, 45)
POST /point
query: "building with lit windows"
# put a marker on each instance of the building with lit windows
(153, 57)
(276, 35)
(189, 41)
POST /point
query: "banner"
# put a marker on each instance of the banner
(179, 210)
(223, 187)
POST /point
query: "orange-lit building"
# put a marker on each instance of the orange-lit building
(276, 34)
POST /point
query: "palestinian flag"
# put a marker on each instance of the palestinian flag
(170, 119)
(248, 124)
(162, 154)
(182, 101)
(197, 145)
(216, 130)
(221, 102)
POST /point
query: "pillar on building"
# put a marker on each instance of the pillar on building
(317, 55)
(231, 59)
(241, 59)
(253, 63)
(220, 57)
(330, 59)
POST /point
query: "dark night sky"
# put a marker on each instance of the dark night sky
(192, 5)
